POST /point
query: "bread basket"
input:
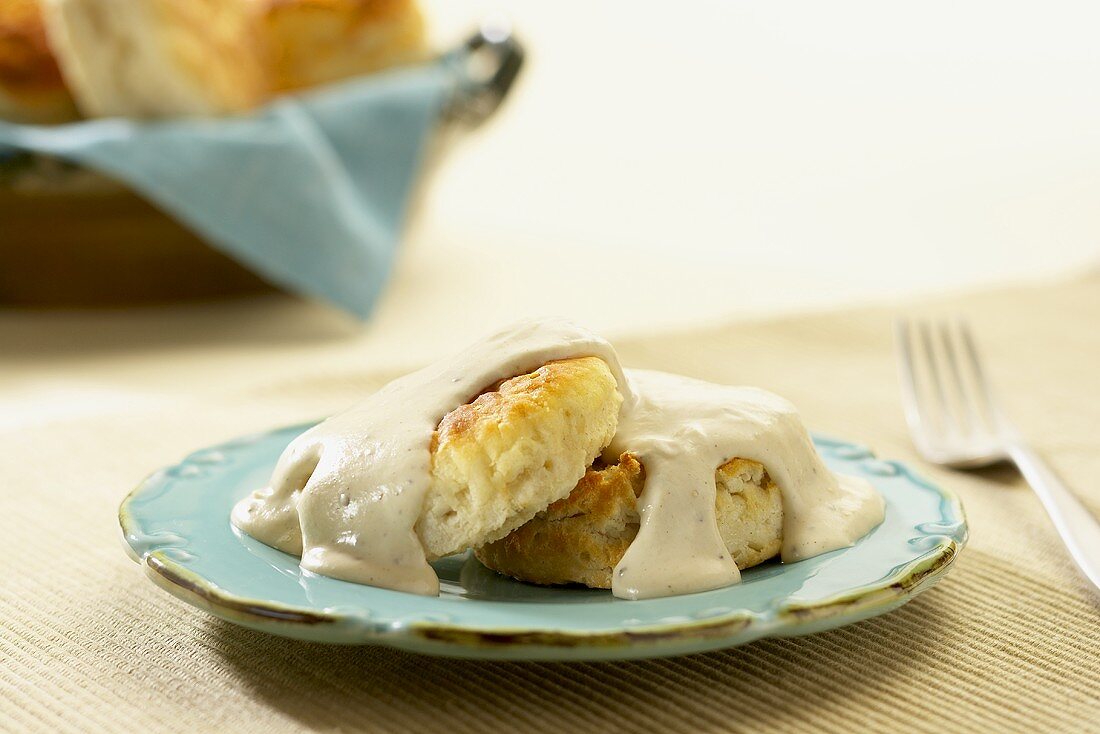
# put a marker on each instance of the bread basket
(70, 237)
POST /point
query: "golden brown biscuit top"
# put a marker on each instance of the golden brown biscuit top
(292, 44)
(518, 446)
(358, 9)
(26, 62)
(311, 42)
(519, 396)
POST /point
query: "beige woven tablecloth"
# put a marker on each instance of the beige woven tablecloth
(1008, 641)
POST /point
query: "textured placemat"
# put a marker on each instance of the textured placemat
(1009, 641)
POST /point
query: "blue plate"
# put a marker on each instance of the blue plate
(176, 525)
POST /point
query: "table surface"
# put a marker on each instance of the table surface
(665, 179)
(1006, 642)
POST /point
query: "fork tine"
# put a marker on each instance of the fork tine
(916, 409)
(966, 409)
(947, 422)
(987, 404)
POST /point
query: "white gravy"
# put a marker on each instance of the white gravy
(346, 494)
(682, 430)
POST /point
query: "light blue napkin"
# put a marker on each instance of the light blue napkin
(309, 191)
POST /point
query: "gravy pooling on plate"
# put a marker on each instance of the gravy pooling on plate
(346, 495)
(681, 430)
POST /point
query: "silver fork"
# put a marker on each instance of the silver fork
(955, 421)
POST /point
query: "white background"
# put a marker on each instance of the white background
(668, 164)
(705, 160)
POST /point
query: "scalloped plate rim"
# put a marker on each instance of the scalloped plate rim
(515, 642)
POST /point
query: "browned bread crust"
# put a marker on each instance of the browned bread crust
(195, 57)
(31, 87)
(310, 42)
(515, 449)
(581, 538)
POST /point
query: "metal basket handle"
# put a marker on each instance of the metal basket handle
(478, 95)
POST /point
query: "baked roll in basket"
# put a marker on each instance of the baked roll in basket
(72, 237)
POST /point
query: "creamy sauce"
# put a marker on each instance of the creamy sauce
(682, 430)
(346, 494)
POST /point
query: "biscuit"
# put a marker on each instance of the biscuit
(150, 58)
(312, 42)
(162, 58)
(31, 87)
(581, 538)
(502, 458)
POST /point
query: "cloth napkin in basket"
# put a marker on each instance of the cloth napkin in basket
(309, 191)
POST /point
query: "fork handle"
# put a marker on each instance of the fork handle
(1078, 527)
